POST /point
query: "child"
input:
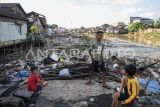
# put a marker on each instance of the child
(35, 82)
(130, 86)
(43, 82)
(96, 53)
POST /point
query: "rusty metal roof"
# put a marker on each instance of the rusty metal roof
(9, 13)
(10, 5)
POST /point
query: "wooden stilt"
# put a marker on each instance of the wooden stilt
(4, 51)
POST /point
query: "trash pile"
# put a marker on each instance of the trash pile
(14, 74)
(148, 72)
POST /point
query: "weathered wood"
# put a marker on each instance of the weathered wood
(155, 75)
(11, 102)
(68, 78)
(114, 77)
(111, 77)
(7, 89)
(26, 95)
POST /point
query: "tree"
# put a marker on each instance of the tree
(157, 24)
(134, 27)
(33, 29)
(105, 26)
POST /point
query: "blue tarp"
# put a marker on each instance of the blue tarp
(153, 86)
(22, 73)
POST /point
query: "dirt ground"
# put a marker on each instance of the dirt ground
(72, 91)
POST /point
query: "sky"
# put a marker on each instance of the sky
(88, 13)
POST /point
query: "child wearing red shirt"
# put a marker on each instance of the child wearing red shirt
(35, 81)
(43, 82)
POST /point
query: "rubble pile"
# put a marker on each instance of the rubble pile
(58, 66)
(16, 72)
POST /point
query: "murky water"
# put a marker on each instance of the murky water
(123, 48)
(136, 46)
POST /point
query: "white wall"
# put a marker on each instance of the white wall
(147, 22)
(10, 31)
(136, 20)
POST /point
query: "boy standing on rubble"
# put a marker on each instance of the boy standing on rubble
(96, 53)
(130, 86)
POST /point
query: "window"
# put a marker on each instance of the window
(20, 29)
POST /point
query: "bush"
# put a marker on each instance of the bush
(134, 27)
(157, 24)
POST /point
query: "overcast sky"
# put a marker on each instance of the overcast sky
(76, 13)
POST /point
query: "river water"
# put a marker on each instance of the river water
(124, 47)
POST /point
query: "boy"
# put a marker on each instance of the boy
(35, 82)
(130, 86)
(44, 83)
(96, 53)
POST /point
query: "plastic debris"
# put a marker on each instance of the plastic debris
(54, 57)
(64, 72)
(152, 86)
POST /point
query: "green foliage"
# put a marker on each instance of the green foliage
(157, 24)
(134, 27)
(87, 37)
(33, 29)
(28, 34)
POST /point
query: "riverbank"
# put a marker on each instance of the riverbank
(151, 39)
